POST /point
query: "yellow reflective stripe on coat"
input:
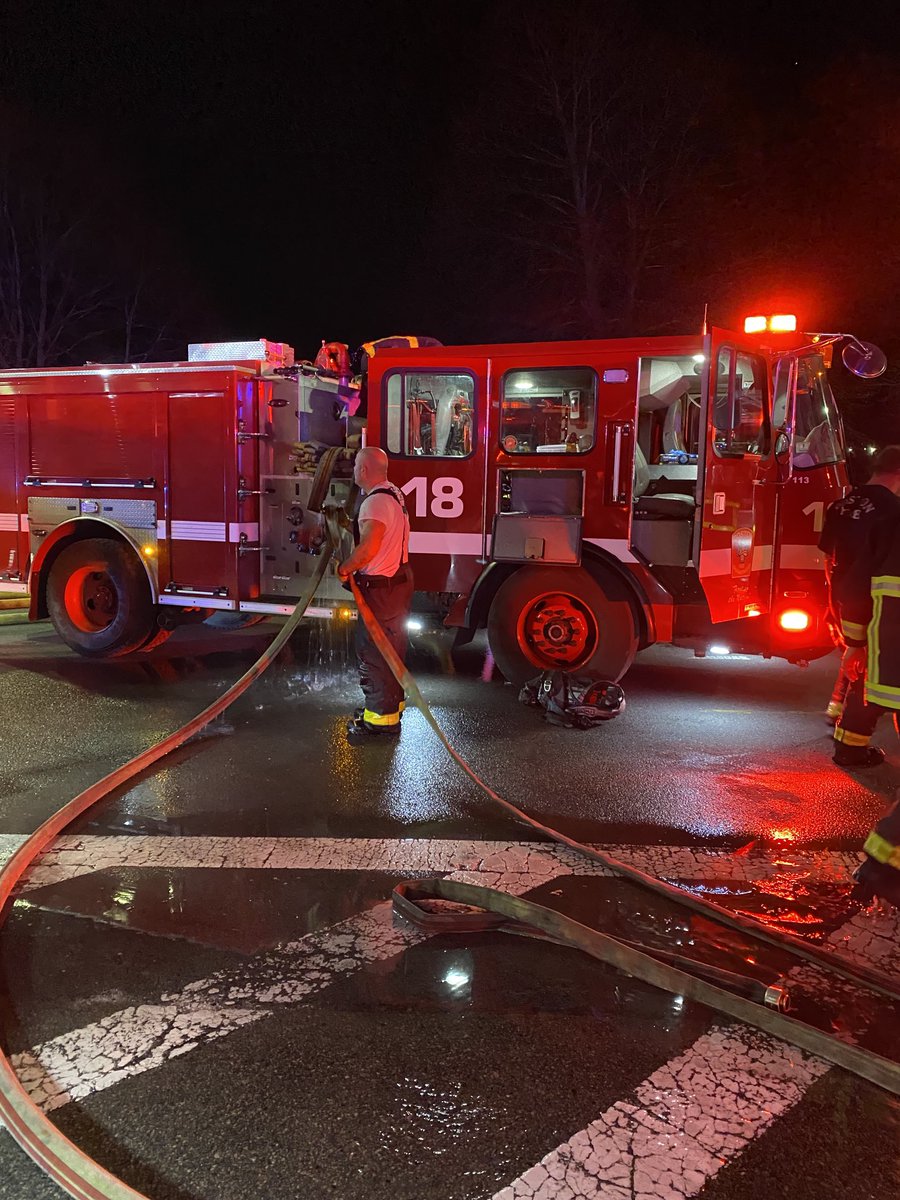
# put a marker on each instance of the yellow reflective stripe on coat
(881, 693)
(374, 718)
(848, 738)
(886, 585)
(882, 850)
(872, 638)
(851, 630)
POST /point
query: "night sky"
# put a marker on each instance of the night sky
(316, 171)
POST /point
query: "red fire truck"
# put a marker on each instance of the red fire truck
(581, 500)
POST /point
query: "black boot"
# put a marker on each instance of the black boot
(857, 756)
(876, 879)
(360, 733)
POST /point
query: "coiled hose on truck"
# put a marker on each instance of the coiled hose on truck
(85, 1179)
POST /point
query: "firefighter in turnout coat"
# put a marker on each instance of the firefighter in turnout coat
(870, 620)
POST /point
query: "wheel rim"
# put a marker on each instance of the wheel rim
(557, 630)
(91, 598)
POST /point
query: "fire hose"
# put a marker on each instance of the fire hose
(85, 1179)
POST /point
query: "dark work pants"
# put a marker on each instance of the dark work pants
(390, 602)
(860, 716)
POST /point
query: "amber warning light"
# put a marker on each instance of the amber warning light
(794, 620)
(778, 323)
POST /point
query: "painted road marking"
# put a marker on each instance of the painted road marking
(700, 1111)
(72, 856)
(139, 1039)
(680, 1126)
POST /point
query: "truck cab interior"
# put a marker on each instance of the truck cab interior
(665, 459)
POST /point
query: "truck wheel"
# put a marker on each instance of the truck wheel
(99, 599)
(544, 618)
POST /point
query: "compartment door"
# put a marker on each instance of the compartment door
(200, 555)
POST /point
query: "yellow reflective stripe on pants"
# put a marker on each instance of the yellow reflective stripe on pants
(848, 738)
(374, 718)
(882, 850)
(852, 631)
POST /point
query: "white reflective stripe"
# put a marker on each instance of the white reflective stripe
(800, 558)
(161, 531)
(714, 562)
(9, 522)
(185, 600)
(198, 531)
(617, 547)
(762, 558)
(9, 585)
(250, 528)
(446, 543)
(23, 523)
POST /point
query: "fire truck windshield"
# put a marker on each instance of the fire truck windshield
(817, 426)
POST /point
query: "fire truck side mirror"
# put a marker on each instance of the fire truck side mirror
(863, 359)
(782, 446)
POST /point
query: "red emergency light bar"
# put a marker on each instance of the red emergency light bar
(777, 323)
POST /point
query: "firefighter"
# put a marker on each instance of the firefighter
(848, 522)
(380, 564)
(879, 872)
(870, 624)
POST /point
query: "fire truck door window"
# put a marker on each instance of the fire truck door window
(430, 415)
(740, 410)
(669, 412)
(548, 410)
(817, 429)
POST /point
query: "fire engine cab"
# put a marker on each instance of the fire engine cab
(581, 500)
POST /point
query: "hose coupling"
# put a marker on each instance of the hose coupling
(777, 997)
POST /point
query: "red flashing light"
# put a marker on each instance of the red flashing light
(794, 620)
(754, 324)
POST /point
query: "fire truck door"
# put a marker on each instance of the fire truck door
(432, 418)
(735, 531)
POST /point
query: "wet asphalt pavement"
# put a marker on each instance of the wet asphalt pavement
(202, 983)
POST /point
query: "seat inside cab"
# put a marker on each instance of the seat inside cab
(665, 458)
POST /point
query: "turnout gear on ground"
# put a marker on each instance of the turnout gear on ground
(574, 701)
(389, 596)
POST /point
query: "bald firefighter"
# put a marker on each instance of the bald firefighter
(380, 563)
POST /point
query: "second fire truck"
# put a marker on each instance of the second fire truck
(581, 500)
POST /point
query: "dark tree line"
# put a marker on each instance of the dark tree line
(83, 272)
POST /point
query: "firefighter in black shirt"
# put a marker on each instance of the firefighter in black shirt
(848, 523)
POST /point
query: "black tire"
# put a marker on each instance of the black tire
(99, 599)
(561, 617)
(157, 637)
(229, 622)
